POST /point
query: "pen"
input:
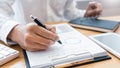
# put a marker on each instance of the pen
(40, 24)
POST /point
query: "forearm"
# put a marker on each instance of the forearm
(72, 12)
(7, 22)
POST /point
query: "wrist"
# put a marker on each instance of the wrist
(13, 34)
(85, 15)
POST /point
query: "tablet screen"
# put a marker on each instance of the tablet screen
(111, 41)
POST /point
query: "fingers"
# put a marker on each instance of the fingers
(51, 28)
(93, 13)
(46, 33)
(33, 37)
(94, 9)
(98, 9)
(35, 47)
(39, 39)
(34, 42)
(92, 5)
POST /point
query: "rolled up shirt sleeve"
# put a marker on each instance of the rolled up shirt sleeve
(71, 11)
(7, 23)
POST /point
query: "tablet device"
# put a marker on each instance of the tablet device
(109, 41)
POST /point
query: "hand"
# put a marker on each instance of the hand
(94, 9)
(33, 37)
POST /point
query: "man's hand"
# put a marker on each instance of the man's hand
(33, 37)
(94, 9)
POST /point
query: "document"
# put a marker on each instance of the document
(75, 48)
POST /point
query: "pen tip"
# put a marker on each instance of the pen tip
(60, 42)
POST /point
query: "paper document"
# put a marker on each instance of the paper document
(75, 47)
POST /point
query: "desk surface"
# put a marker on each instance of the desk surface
(19, 62)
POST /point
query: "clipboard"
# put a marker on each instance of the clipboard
(73, 51)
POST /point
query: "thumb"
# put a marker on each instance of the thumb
(51, 28)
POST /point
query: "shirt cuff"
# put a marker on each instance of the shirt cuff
(81, 12)
(6, 29)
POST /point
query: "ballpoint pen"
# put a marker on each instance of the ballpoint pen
(40, 24)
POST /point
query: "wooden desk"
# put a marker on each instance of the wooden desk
(112, 63)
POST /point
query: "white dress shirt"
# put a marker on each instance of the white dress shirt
(17, 12)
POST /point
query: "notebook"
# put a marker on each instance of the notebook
(75, 49)
(95, 24)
